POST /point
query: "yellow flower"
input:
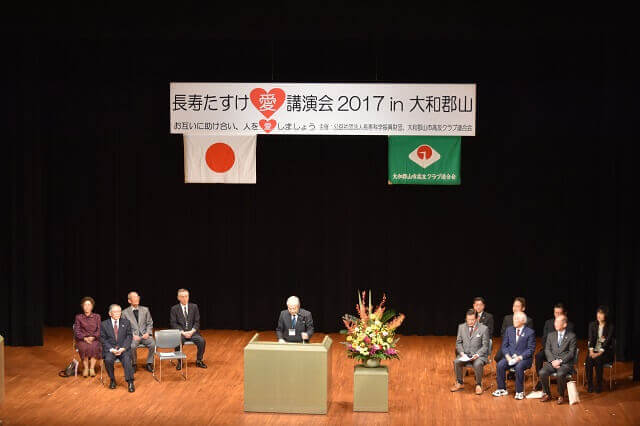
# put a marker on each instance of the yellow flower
(390, 339)
(349, 338)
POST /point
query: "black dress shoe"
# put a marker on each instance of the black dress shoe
(179, 365)
(598, 389)
(149, 368)
(112, 385)
(132, 388)
(201, 364)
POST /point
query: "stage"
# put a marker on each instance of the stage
(418, 390)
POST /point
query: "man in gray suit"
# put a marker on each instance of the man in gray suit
(560, 351)
(295, 325)
(142, 328)
(472, 347)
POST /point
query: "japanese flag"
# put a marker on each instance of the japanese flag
(220, 159)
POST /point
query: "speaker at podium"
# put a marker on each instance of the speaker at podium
(287, 377)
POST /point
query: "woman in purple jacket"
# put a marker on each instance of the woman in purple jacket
(87, 334)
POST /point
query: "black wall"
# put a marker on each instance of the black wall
(98, 205)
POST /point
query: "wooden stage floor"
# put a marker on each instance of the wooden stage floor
(418, 391)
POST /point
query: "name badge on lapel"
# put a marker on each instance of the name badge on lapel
(292, 332)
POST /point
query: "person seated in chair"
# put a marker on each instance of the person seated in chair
(116, 336)
(142, 327)
(518, 345)
(560, 353)
(86, 330)
(185, 317)
(519, 305)
(549, 327)
(600, 348)
(472, 347)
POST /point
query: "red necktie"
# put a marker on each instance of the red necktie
(518, 332)
(115, 329)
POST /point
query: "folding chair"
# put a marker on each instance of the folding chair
(168, 339)
(611, 366)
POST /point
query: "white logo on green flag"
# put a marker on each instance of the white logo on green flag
(424, 156)
(424, 160)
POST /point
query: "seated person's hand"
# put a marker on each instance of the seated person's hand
(474, 357)
(145, 336)
(136, 338)
(556, 363)
(304, 336)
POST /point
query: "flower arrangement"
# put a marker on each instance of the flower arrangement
(371, 335)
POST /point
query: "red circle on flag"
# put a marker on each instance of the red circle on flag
(424, 152)
(220, 157)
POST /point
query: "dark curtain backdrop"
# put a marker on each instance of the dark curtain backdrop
(98, 206)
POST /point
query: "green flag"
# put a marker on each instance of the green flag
(424, 160)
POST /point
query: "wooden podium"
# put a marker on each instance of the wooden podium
(287, 377)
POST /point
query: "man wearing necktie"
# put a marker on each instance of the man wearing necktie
(560, 351)
(185, 317)
(116, 337)
(518, 344)
(295, 325)
(472, 348)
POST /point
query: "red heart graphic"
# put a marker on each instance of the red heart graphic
(268, 125)
(267, 103)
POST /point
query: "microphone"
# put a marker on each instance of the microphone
(304, 323)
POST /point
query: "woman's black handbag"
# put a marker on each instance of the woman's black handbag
(71, 370)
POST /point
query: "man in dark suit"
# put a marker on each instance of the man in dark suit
(560, 352)
(483, 317)
(519, 305)
(549, 327)
(295, 325)
(185, 317)
(518, 345)
(116, 336)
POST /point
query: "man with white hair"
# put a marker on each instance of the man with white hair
(295, 324)
(116, 336)
(518, 344)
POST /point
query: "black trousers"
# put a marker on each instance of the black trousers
(200, 344)
(125, 359)
(598, 363)
(540, 358)
(547, 370)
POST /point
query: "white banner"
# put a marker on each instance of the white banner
(323, 109)
(220, 159)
